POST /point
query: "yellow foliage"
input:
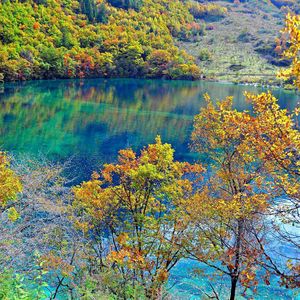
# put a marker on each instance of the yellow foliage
(10, 184)
(13, 215)
(254, 158)
(141, 201)
(291, 37)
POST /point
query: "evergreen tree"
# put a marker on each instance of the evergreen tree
(102, 14)
(126, 4)
(89, 8)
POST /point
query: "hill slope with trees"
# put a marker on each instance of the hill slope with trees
(67, 39)
(182, 39)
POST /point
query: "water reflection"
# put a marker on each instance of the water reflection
(93, 119)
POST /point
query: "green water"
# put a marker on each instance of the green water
(91, 120)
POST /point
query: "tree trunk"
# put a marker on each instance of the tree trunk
(235, 274)
(233, 287)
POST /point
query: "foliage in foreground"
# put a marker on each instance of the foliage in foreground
(254, 161)
(16, 287)
(134, 209)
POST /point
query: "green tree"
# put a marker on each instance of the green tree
(89, 8)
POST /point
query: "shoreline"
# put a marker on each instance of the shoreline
(205, 79)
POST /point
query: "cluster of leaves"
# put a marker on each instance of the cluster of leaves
(290, 45)
(16, 287)
(67, 39)
(121, 233)
(10, 187)
(9, 182)
(138, 203)
(146, 212)
(253, 158)
(207, 11)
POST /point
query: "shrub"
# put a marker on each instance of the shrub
(205, 55)
(15, 287)
(207, 11)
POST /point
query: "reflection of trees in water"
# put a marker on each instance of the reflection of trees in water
(70, 116)
(35, 115)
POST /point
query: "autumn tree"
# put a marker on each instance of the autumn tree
(276, 138)
(134, 210)
(48, 39)
(227, 213)
(254, 174)
(291, 46)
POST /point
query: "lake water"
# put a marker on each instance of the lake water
(90, 120)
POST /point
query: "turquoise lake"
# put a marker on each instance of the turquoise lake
(88, 121)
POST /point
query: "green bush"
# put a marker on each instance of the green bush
(16, 287)
(205, 55)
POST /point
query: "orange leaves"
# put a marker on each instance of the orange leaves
(207, 206)
(126, 155)
(36, 25)
(51, 262)
(162, 275)
(107, 172)
(129, 257)
(215, 126)
(235, 195)
(275, 137)
(90, 198)
(238, 141)
(196, 169)
(255, 158)
(137, 180)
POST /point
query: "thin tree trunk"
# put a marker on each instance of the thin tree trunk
(235, 274)
(233, 287)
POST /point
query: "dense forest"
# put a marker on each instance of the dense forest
(67, 39)
(45, 39)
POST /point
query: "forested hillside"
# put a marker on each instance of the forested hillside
(66, 39)
(178, 39)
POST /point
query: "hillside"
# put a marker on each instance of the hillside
(115, 38)
(45, 39)
(239, 45)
